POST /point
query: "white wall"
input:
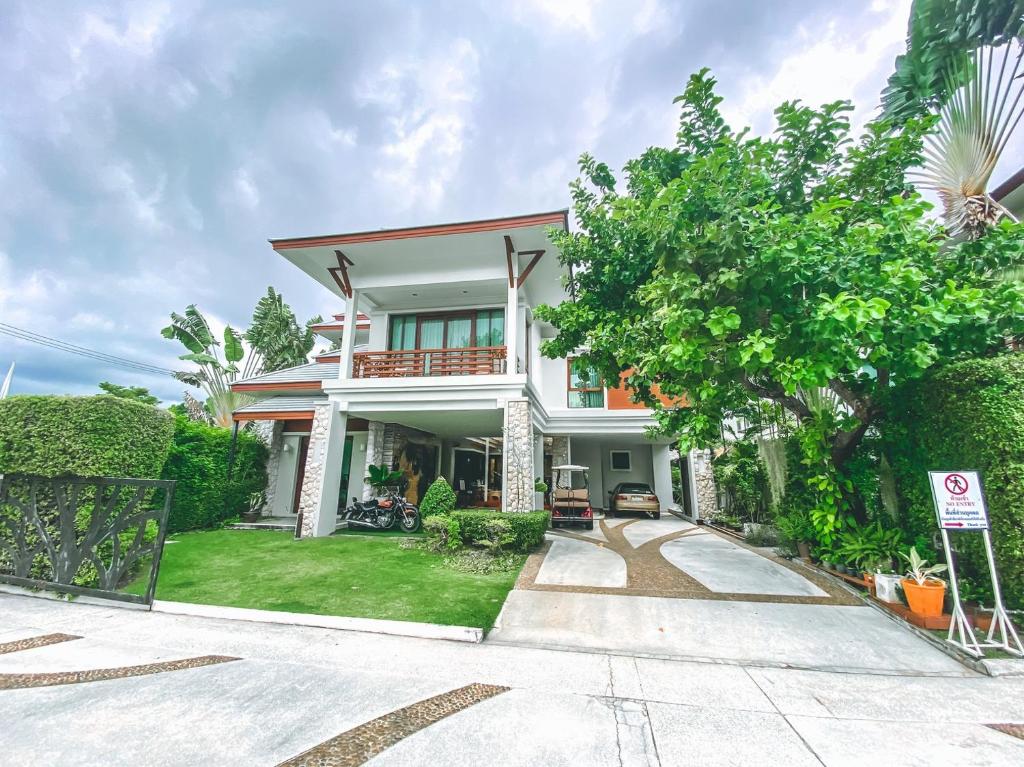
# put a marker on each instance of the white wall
(287, 468)
(357, 468)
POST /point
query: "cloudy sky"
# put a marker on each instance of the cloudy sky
(149, 149)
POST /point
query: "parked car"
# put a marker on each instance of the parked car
(570, 497)
(633, 498)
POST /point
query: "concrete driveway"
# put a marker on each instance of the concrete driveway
(668, 588)
(90, 685)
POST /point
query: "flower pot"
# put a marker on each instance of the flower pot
(841, 568)
(827, 565)
(804, 549)
(885, 587)
(250, 516)
(924, 599)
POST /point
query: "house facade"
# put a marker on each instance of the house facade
(437, 371)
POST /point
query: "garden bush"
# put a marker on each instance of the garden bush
(439, 499)
(99, 436)
(741, 474)
(967, 415)
(442, 532)
(198, 461)
(525, 530)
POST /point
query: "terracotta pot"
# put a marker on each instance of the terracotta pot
(804, 549)
(924, 600)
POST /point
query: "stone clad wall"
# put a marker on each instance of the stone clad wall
(517, 457)
(707, 493)
(559, 451)
(374, 452)
(309, 499)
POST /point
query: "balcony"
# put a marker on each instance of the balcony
(420, 363)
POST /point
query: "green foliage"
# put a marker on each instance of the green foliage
(740, 472)
(198, 461)
(869, 546)
(795, 526)
(133, 393)
(941, 35)
(919, 568)
(381, 477)
(733, 270)
(84, 436)
(495, 535)
(443, 532)
(968, 415)
(439, 499)
(275, 334)
(526, 530)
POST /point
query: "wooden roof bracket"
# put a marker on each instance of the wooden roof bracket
(344, 262)
(510, 253)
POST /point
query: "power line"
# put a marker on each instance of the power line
(83, 351)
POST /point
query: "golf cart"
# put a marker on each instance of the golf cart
(570, 497)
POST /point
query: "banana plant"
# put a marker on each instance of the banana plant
(215, 371)
(381, 477)
(275, 337)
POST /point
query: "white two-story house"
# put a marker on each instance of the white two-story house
(438, 372)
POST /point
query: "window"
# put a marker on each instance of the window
(620, 460)
(584, 385)
(453, 330)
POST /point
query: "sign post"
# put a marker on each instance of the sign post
(960, 506)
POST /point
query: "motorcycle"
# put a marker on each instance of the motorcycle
(383, 514)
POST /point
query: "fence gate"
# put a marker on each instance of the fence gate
(84, 535)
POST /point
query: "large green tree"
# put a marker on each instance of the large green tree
(731, 270)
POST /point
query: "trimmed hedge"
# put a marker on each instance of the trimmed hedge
(439, 499)
(967, 415)
(527, 529)
(198, 461)
(99, 436)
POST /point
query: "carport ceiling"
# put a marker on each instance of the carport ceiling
(443, 423)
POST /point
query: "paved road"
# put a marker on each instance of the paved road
(208, 691)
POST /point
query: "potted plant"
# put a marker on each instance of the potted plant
(380, 478)
(256, 503)
(797, 527)
(924, 591)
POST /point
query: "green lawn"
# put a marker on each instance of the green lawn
(349, 575)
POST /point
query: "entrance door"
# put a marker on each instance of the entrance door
(300, 472)
(468, 477)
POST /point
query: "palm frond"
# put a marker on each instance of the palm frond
(976, 123)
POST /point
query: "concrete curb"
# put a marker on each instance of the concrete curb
(368, 625)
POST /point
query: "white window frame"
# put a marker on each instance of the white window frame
(611, 461)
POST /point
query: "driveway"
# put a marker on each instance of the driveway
(668, 588)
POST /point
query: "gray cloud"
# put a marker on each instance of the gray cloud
(148, 150)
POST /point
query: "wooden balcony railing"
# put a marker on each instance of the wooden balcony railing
(417, 363)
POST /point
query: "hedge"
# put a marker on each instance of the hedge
(100, 436)
(439, 499)
(198, 461)
(527, 528)
(967, 415)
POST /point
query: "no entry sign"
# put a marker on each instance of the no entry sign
(959, 500)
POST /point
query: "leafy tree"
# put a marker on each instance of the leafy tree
(275, 334)
(133, 393)
(736, 269)
(275, 342)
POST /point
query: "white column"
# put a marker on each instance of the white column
(538, 466)
(348, 338)
(512, 328)
(487, 467)
(662, 475)
(319, 502)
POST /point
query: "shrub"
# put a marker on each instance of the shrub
(99, 436)
(442, 533)
(439, 499)
(741, 474)
(967, 415)
(526, 530)
(198, 461)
